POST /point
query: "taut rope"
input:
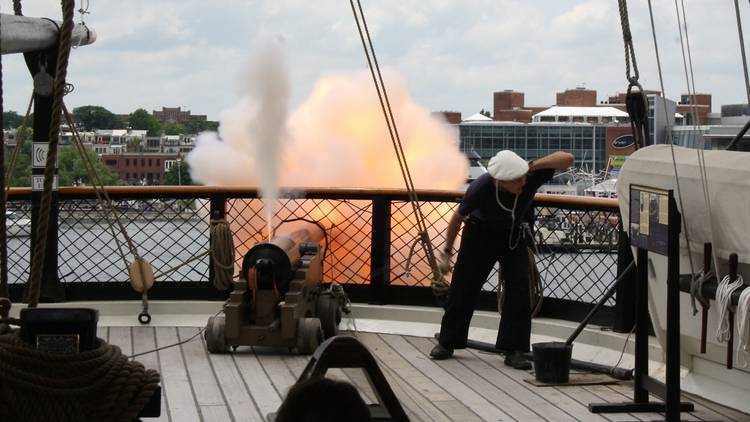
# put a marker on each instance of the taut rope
(439, 286)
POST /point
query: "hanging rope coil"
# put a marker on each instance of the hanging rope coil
(723, 301)
(742, 315)
(222, 253)
(536, 290)
(95, 385)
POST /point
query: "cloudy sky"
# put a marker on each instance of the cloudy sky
(452, 54)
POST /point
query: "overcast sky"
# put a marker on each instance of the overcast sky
(453, 54)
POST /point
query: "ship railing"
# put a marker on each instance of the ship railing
(370, 245)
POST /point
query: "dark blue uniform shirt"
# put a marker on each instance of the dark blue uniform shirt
(480, 201)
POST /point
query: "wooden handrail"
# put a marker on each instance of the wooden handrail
(345, 193)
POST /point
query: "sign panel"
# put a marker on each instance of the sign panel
(39, 155)
(649, 218)
(623, 141)
(39, 151)
(37, 182)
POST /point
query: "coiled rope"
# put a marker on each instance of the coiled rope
(723, 300)
(222, 252)
(742, 315)
(96, 385)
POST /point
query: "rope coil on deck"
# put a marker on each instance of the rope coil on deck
(96, 385)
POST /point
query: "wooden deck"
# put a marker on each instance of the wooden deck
(475, 386)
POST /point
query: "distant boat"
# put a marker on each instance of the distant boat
(476, 168)
(17, 226)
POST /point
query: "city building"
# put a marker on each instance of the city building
(139, 168)
(508, 106)
(451, 117)
(564, 114)
(578, 97)
(177, 115)
(118, 141)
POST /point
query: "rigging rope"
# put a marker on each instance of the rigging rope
(63, 52)
(696, 290)
(628, 41)
(98, 385)
(439, 285)
(3, 222)
(700, 148)
(742, 48)
(671, 143)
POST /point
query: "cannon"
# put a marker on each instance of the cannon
(279, 300)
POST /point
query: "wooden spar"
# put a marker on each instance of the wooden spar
(23, 34)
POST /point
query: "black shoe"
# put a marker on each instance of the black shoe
(440, 352)
(517, 360)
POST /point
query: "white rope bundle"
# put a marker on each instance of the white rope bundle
(743, 325)
(723, 297)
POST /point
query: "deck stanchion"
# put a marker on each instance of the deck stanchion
(625, 295)
(380, 252)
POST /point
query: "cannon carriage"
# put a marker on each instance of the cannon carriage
(279, 299)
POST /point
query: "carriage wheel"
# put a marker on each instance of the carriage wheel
(309, 335)
(216, 341)
(329, 314)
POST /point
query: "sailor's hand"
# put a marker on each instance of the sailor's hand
(444, 261)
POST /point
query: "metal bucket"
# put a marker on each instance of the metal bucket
(552, 361)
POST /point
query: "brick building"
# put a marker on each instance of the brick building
(176, 115)
(578, 97)
(452, 117)
(139, 168)
(508, 106)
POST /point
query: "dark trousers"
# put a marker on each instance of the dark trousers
(480, 250)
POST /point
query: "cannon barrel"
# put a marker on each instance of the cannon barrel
(280, 256)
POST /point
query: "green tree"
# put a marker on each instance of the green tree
(484, 112)
(178, 174)
(172, 128)
(195, 126)
(142, 120)
(93, 117)
(12, 120)
(72, 168)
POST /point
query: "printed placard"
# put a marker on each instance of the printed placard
(37, 182)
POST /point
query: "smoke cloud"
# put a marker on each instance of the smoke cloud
(336, 138)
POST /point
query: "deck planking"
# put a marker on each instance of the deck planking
(474, 386)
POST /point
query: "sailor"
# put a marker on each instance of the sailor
(492, 211)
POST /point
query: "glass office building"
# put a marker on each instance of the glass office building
(531, 141)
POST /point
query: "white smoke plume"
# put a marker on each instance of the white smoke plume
(337, 138)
